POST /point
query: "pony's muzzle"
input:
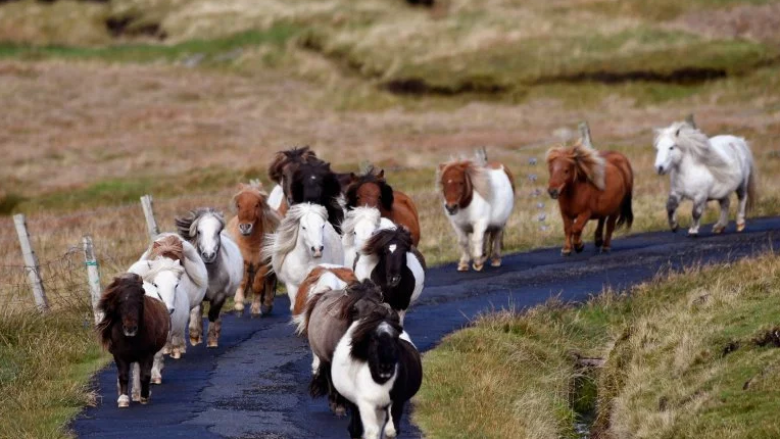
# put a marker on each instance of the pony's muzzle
(660, 169)
(208, 257)
(554, 193)
(394, 281)
(317, 251)
(245, 228)
(171, 310)
(130, 331)
(452, 209)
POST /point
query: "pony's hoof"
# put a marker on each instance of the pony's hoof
(495, 263)
(123, 401)
(599, 243)
(741, 227)
(390, 432)
(145, 401)
(166, 350)
(255, 311)
(213, 344)
(265, 310)
(338, 409)
(718, 230)
(463, 266)
(579, 248)
(156, 380)
(175, 354)
(566, 252)
(478, 266)
(194, 341)
(239, 306)
(605, 250)
(693, 234)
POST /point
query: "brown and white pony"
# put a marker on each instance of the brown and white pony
(589, 184)
(478, 199)
(372, 190)
(134, 328)
(254, 219)
(319, 280)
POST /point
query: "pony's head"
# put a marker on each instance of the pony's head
(202, 228)
(164, 275)
(375, 340)
(314, 182)
(122, 300)
(370, 190)
(569, 165)
(458, 180)
(390, 246)
(283, 159)
(359, 224)
(669, 143)
(250, 207)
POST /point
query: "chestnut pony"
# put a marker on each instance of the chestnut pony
(589, 184)
(254, 219)
(134, 329)
(372, 190)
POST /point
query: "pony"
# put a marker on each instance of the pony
(254, 219)
(589, 184)
(372, 190)
(303, 240)
(359, 224)
(478, 198)
(321, 279)
(204, 229)
(177, 271)
(328, 315)
(377, 369)
(315, 182)
(134, 328)
(702, 169)
(281, 170)
(390, 260)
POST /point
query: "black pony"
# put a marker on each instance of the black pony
(315, 182)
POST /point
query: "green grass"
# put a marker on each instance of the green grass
(45, 365)
(665, 376)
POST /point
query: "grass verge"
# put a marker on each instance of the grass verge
(691, 355)
(45, 366)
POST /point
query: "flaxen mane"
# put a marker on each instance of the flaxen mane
(167, 247)
(283, 158)
(383, 238)
(588, 162)
(476, 175)
(284, 240)
(128, 284)
(188, 225)
(160, 265)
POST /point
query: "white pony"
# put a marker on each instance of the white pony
(478, 199)
(359, 224)
(303, 240)
(204, 228)
(180, 276)
(703, 169)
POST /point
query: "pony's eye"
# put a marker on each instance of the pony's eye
(671, 147)
(303, 227)
(323, 227)
(154, 285)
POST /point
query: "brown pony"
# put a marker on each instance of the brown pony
(134, 329)
(253, 220)
(318, 281)
(589, 184)
(372, 190)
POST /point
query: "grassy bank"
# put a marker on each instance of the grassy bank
(45, 366)
(689, 356)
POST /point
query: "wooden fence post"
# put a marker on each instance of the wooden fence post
(585, 134)
(93, 274)
(151, 224)
(31, 263)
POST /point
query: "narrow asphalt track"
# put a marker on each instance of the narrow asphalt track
(255, 384)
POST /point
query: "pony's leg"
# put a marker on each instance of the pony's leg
(145, 372)
(567, 227)
(215, 321)
(238, 300)
(178, 346)
(373, 419)
(477, 246)
(269, 294)
(495, 257)
(576, 230)
(396, 410)
(157, 367)
(600, 233)
(135, 387)
(355, 427)
(196, 325)
(611, 221)
(723, 221)
(258, 288)
(671, 211)
(463, 242)
(698, 210)
(123, 376)
(742, 196)
(315, 364)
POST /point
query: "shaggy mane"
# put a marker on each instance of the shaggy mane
(283, 158)
(353, 217)
(271, 218)
(128, 283)
(476, 172)
(169, 246)
(382, 238)
(283, 241)
(188, 225)
(589, 164)
(370, 177)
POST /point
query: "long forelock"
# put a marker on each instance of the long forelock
(355, 216)
(286, 237)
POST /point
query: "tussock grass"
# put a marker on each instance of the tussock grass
(686, 357)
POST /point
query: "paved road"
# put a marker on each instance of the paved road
(255, 384)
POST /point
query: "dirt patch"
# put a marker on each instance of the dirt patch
(757, 23)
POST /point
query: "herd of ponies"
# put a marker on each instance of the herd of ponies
(345, 248)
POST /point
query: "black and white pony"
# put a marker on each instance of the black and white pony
(377, 369)
(314, 182)
(390, 260)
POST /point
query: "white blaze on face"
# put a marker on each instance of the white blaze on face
(208, 231)
(392, 248)
(312, 228)
(165, 282)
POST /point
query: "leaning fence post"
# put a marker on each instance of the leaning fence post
(31, 263)
(94, 276)
(151, 224)
(585, 134)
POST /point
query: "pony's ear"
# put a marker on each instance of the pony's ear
(380, 174)
(353, 178)
(442, 166)
(387, 196)
(156, 244)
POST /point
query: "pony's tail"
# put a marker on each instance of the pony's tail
(626, 217)
(752, 189)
